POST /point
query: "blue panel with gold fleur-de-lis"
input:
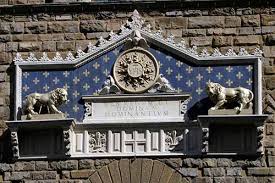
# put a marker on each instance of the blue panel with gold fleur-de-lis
(87, 79)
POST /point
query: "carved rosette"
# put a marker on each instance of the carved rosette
(136, 70)
(205, 140)
(183, 106)
(260, 137)
(88, 109)
(14, 144)
(172, 139)
(67, 141)
(97, 142)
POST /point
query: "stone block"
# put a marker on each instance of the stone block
(81, 174)
(270, 39)
(224, 162)
(29, 37)
(135, 169)
(173, 162)
(93, 26)
(86, 164)
(251, 20)
(179, 23)
(114, 25)
(65, 46)
(224, 180)
(30, 46)
(271, 161)
(157, 168)
(200, 41)
(175, 178)
(163, 22)
(17, 175)
(191, 162)
(245, 179)
(270, 83)
(37, 175)
(63, 17)
(104, 15)
(206, 22)
(261, 171)
(189, 172)
(209, 162)
(124, 165)
(247, 40)
(203, 180)
(41, 165)
(114, 172)
(44, 116)
(232, 21)
(268, 20)
(4, 167)
(105, 175)
(24, 166)
(12, 47)
(49, 46)
(65, 174)
(101, 162)
(214, 172)
(214, 31)
(166, 174)
(194, 32)
(245, 30)
(17, 27)
(95, 178)
(230, 31)
(5, 28)
(268, 29)
(64, 165)
(219, 41)
(5, 38)
(36, 27)
(63, 27)
(74, 36)
(234, 171)
(270, 128)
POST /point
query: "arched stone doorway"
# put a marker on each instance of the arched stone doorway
(137, 171)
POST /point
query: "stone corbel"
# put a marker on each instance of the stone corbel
(14, 143)
(67, 136)
(205, 140)
(260, 138)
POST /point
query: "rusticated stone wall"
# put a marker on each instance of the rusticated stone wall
(50, 31)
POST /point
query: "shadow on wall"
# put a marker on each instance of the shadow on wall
(5, 148)
(199, 108)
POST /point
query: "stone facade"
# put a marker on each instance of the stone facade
(49, 31)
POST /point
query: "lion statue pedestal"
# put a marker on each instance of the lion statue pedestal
(44, 116)
(229, 111)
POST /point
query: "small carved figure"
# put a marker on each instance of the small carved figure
(51, 101)
(162, 85)
(221, 95)
(109, 87)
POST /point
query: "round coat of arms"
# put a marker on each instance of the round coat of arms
(136, 70)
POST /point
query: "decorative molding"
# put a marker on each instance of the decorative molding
(98, 142)
(15, 144)
(136, 23)
(67, 141)
(205, 140)
(260, 138)
(172, 139)
(88, 109)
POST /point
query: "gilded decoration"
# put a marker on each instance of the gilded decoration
(136, 70)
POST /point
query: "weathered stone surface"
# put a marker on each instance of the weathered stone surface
(101, 162)
(200, 41)
(63, 26)
(163, 22)
(175, 178)
(124, 165)
(81, 174)
(105, 175)
(247, 40)
(166, 174)
(4, 167)
(268, 20)
(135, 168)
(209, 162)
(271, 161)
(189, 172)
(203, 180)
(114, 172)
(5, 28)
(74, 36)
(12, 47)
(214, 172)
(232, 21)
(156, 171)
(179, 22)
(93, 26)
(146, 170)
(36, 27)
(41, 165)
(224, 162)
(234, 171)
(103, 15)
(49, 46)
(245, 179)
(270, 83)
(65, 45)
(5, 38)
(114, 25)
(17, 27)
(173, 162)
(251, 20)
(219, 41)
(194, 32)
(24, 166)
(191, 162)
(224, 180)
(86, 164)
(261, 171)
(17, 175)
(270, 39)
(30, 46)
(64, 165)
(206, 21)
(95, 178)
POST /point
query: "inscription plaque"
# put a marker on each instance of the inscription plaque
(128, 108)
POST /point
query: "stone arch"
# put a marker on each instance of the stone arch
(137, 171)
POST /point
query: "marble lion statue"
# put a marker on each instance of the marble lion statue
(220, 95)
(51, 101)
